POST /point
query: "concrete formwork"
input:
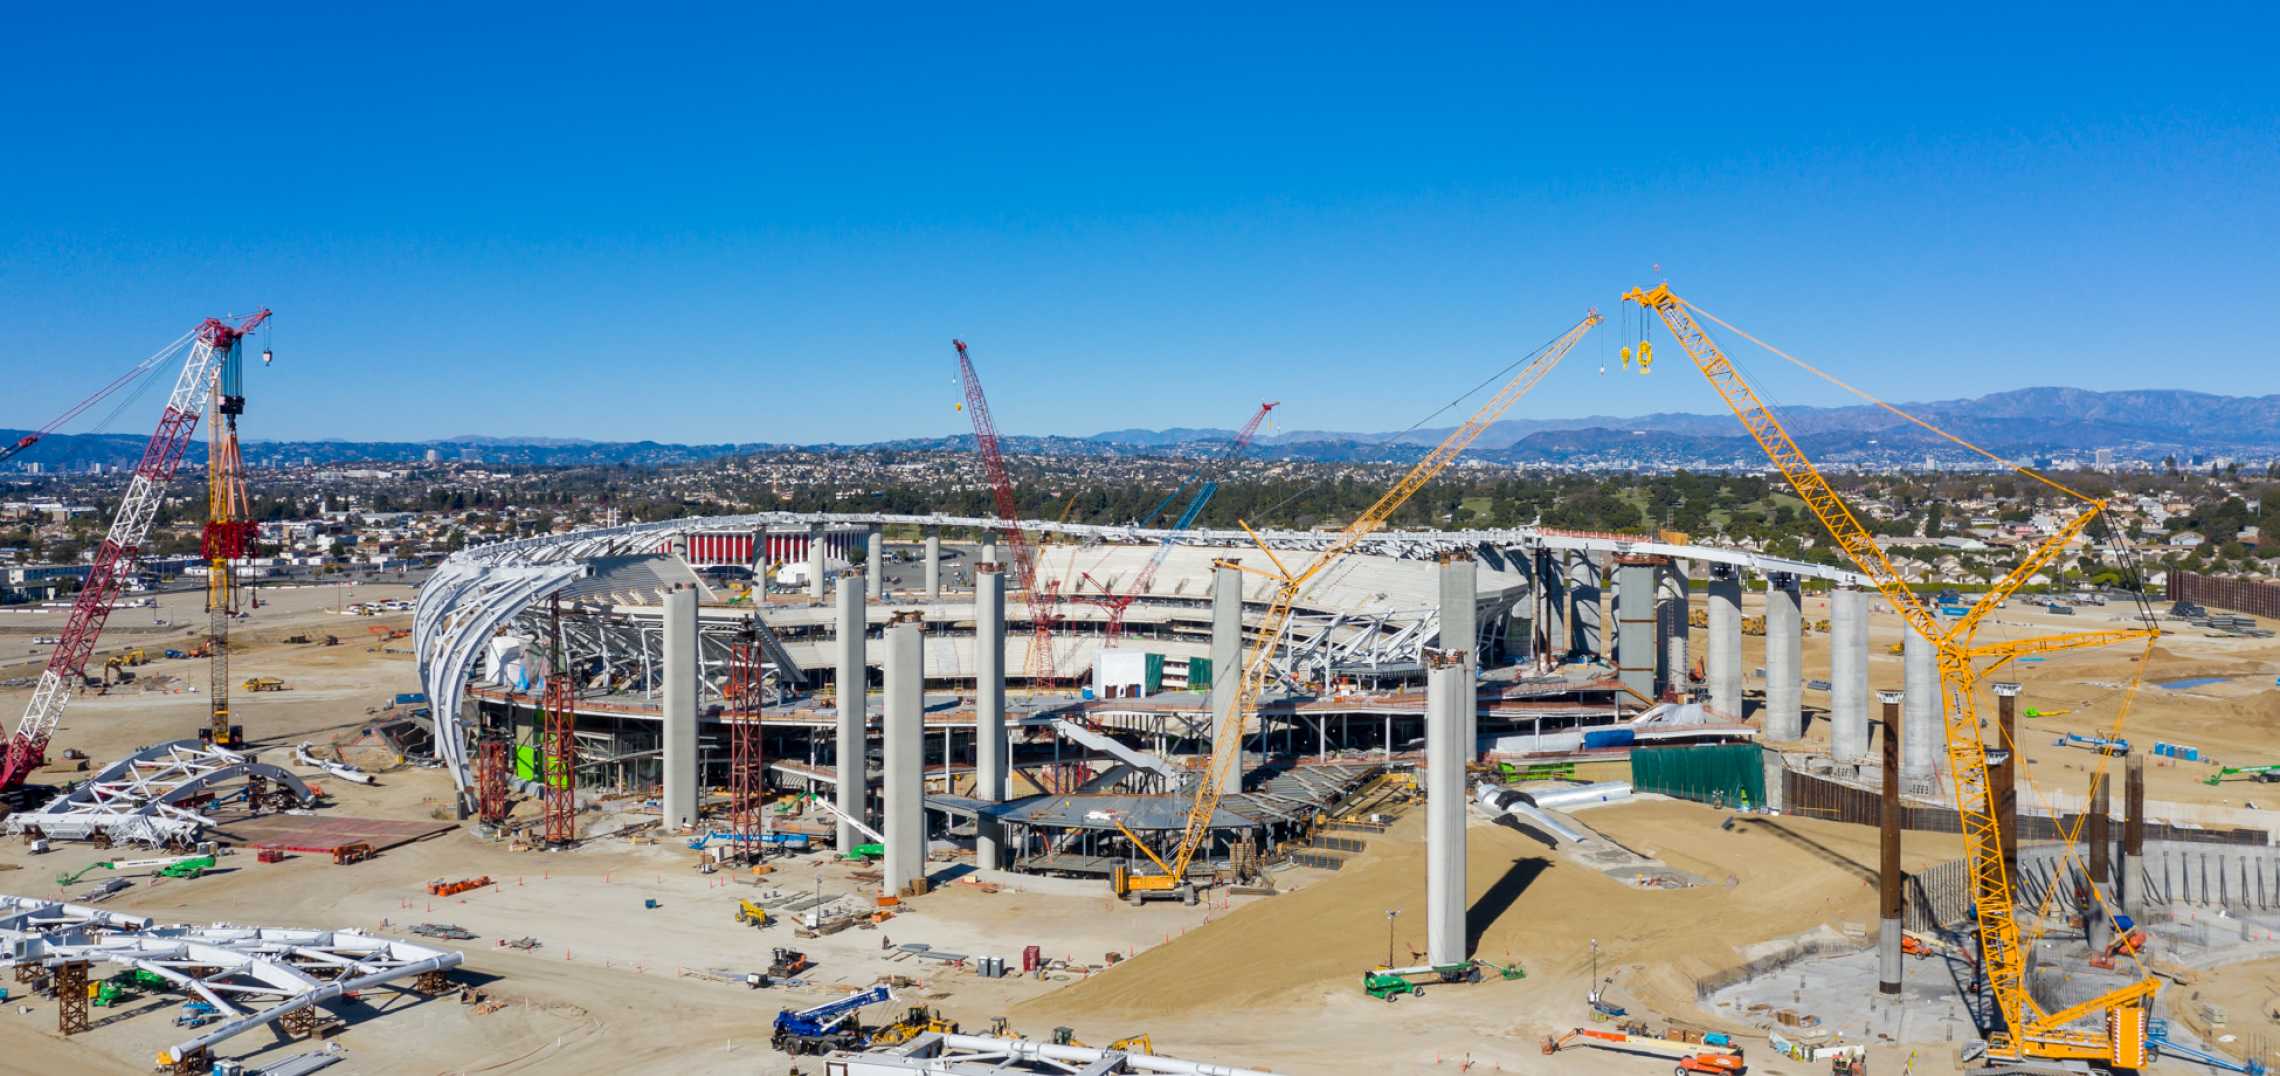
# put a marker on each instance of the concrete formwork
(1848, 674)
(1784, 658)
(1923, 733)
(1723, 657)
(1460, 633)
(1226, 655)
(906, 763)
(1446, 687)
(854, 791)
(989, 709)
(679, 708)
(1636, 615)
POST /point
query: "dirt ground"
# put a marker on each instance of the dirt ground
(1262, 982)
(2235, 1009)
(2235, 721)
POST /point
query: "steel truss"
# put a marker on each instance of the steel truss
(252, 976)
(149, 797)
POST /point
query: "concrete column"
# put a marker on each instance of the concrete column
(1924, 733)
(2133, 829)
(906, 759)
(854, 794)
(1722, 659)
(2003, 775)
(1848, 674)
(1226, 658)
(1446, 688)
(1888, 879)
(1583, 607)
(1460, 633)
(874, 564)
(815, 563)
(1784, 659)
(1552, 600)
(989, 709)
(1671, 605)
(989, 547)
(680, 709)
(933, 564)
(1635, 614)
(2096, 928)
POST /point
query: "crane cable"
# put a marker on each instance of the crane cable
(2069, 836)
(1865, 395)
(140, 371)
(1437, 412)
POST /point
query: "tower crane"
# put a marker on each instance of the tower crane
(1042, 599)
(1227, 735)
(227, 539)
(115, 559)
(2029, 1033)
(1206, 482)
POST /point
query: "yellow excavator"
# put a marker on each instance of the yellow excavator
(2109, 1029)
(1169, 882)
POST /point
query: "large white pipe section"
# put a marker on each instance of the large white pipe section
(1579, 795)
(1029, 1050)
(1516, 804)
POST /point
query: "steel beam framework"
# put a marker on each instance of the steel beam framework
(149, 797)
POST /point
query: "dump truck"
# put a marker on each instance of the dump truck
(264, 683)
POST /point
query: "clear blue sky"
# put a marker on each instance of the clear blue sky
(766, 223)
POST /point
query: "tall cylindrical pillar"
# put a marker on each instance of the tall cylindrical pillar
(933, 564)
(874, 563)
(906, 760)
(854, 795)
(1227, 663)
(1552, 606)
(815, 562)
(1784, 659)
(1445, 688)
(1888, 879)
(679, 708)
(989, 710)
(1924, 734)
(1671, 585)
(1848, 674)
(1460, 633)
(1723, 659)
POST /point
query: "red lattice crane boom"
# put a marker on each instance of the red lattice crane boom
(1042, 598)
(122, 545)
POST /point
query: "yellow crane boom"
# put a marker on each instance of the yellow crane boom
(2029, 1031)
(1227, 737)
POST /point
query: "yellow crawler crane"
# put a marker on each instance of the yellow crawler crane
(2029, 1032)
(1227, 737)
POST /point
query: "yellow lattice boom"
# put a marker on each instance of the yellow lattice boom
(2029, 1030)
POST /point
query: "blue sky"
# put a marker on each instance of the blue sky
(766, 223)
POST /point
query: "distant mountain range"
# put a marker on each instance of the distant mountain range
(2140, 424)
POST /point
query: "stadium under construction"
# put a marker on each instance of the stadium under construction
(1583, 640)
